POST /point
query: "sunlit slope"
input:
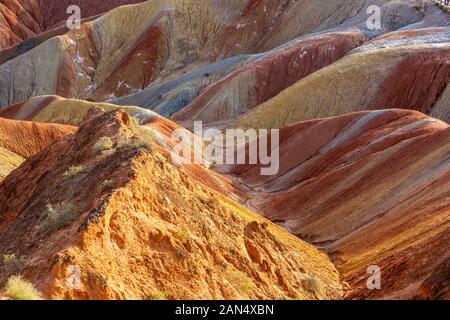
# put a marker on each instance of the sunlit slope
(139, 219)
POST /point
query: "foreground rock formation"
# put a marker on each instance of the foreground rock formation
(92, 206)
(141, 220)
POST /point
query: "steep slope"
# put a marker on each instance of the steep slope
(106, 57)
(371, 188)
(402, 73)
(54, 109)
(259, 81)
(20, 140)
(20, 20)
(441, 109)
(142, 228)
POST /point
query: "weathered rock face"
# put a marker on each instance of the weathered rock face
(259, 81)
(150, 224)
(21, 20)
(371, 188)
(404, 76)
(20, 140)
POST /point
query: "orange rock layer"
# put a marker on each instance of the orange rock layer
(143, 228)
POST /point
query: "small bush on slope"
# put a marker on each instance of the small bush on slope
(58, 217)
(10, 265)
(313, 285)
(144, 140)
(103, 144)
(240, 281)
(19, 289)
(74, 171)
(158, 295)
(108, 184)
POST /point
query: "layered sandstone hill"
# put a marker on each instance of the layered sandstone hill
(20, 140)
(259, 81)
(8, 162)
(54, 109)
(370, 188)
(21, 20)
(132, 47)
(168, 97)
(143, 228)
(408, 69)
(105, 214)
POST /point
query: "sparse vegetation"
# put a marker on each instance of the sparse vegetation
(10, 265)
(182, 252)
(240, 281)
(144, 140)
(442, 6)
(19, 289)
(135, 121)
(103, 144)
(58, 217)
(158, 295)
(313, 285)
(108, 184)
(74, 171)
(182, 235)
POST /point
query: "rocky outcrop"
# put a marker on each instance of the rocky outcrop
(138, 220)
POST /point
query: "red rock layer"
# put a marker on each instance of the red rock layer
(257, 82)
(371, 188)
(20, 20)
(416, 83)
(28, 138)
